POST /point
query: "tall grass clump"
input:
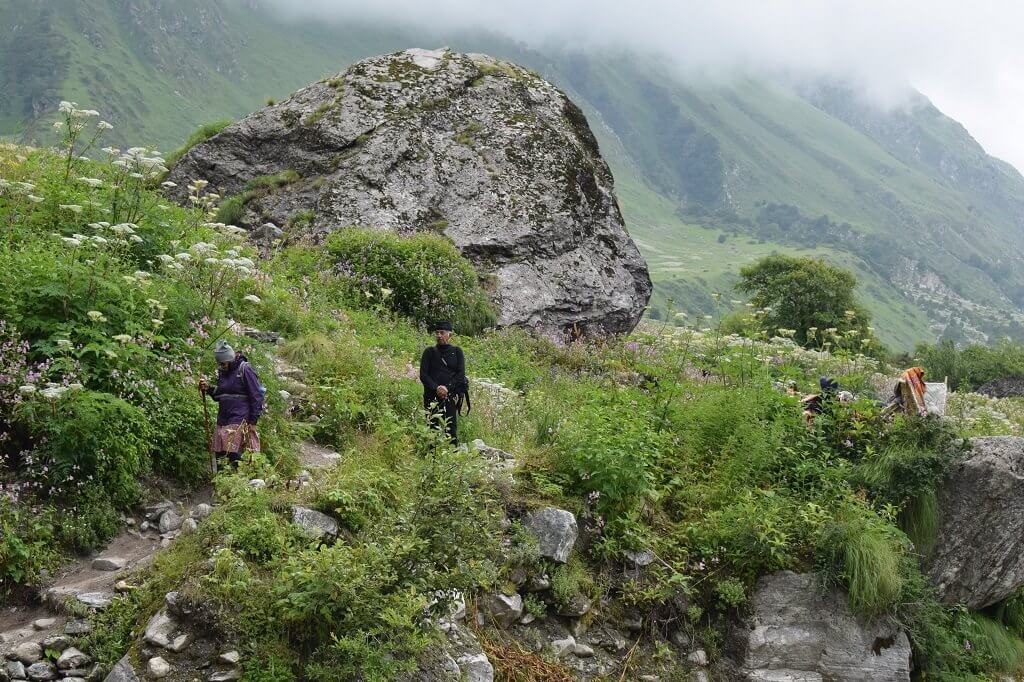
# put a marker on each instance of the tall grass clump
(867, 556)
(200, 134)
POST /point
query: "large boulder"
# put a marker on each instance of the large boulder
(797, 631)
(483, 151)
(978, 556)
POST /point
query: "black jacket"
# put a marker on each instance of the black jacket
(442, 366)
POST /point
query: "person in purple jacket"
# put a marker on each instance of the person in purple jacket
(239, 404)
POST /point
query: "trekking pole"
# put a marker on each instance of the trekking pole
(206, 426)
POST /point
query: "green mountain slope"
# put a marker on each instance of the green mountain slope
(710, 176)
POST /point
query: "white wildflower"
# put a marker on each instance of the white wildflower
(165, 258)
(92, 182)
(252, 298)
(96, 316)
(53, 392)
(103, 125)
(71, 241)
(122, 338)
(135, 239)
(74, 208)
(98, 239)
(157, 323)
(27, 389)
(168, 184)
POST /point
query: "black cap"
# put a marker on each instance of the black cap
(442, 324)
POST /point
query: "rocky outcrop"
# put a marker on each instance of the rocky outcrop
(1010, 387)
(797, 631)
(978, 556)
(483, 151)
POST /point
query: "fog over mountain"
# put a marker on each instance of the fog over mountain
(964, 56)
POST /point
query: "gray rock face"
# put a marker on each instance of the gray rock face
(110, 563)
(159, 629)
(170, 520)
(978, 557)
(796, 632)
(28, 652)
(555, 530)
(475, 668)
(314, 524)
(483, 151)
(72, 658)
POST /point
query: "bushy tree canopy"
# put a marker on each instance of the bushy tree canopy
(806, 295)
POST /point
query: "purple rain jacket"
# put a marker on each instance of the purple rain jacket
(238, 397)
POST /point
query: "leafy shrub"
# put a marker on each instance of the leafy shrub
(93, 437)
(423, 277)
(201, 134)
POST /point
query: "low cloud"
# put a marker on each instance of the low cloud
(965, 56)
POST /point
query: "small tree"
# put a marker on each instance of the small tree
(808, 296)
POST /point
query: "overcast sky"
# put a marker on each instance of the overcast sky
(968, 57)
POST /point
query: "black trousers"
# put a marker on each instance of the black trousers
(233, 458)
(443, 414)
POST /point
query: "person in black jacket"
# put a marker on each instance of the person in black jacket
(443, 375)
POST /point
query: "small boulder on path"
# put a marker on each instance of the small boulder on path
(157, 668)
(170, 520)
(28, 652)
(43, 671)
(110, 563)
(72, 658)
(123, 672)
(159, 629)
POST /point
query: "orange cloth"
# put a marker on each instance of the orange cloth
(912, 389)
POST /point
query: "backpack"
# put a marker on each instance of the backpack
(260, 388)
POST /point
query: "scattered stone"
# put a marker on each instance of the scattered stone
(123, 672)
(28, 652)
(43, 671)
(155, 511)
(122, 586)
(475, 668)
(77, 627)
(257, 483)
(578, 605)
(170, 520)
(633, 624)
(562, 647)
(44, 623)
(656, 678)
(267, 232)
(795, 626)
(56, 643)
(527, 618)
(265, 337)
(189, 526)
(698, 657)
(110, 563)
(614, 642)
(179, 643)
(201, 511)
(640, 559)
(230, 657)
(128, 520)
(555, 530)
(165, 543)
(582, 650)
(978, 556)
(159, 629)
(225, 676)
(680, 639)
(504, 609)
(72, 658)
(577, 627)
(16, 670)
(157, 668)
(144, 526)
(314, 524)
(702, 676)
(538, 584)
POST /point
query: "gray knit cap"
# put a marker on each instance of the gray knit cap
(223, 352)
